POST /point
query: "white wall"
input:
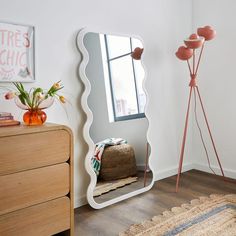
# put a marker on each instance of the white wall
(217, 82)
(161, 23)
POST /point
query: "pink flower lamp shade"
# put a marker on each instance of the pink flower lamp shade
(194, 41)
(207, 32)
(184, 53)
(137, 53)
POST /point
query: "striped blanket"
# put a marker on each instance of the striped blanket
(99, 148)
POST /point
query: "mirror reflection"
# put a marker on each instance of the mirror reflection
(117, 101)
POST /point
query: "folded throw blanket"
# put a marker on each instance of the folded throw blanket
(99, 148)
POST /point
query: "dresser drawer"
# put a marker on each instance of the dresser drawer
(31, 187)
(30, 151)
(41, 220)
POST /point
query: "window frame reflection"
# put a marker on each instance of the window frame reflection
(139, 114)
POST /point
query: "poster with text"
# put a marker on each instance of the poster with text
(16, 53)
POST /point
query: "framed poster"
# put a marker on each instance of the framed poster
(16, 53)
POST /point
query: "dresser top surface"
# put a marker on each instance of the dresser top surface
(23, 129)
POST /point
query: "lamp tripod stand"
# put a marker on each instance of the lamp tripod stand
(185, 53)
(195, 89)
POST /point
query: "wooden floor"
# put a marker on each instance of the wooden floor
(117, 218)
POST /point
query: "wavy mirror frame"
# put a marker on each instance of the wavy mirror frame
(88, 123)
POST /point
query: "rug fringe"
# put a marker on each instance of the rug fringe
(135, 229)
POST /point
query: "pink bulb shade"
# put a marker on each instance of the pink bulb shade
(207, 32)
(184, 53)
(137, 53)
(194, 41)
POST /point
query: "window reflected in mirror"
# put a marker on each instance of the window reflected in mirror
(124, 77)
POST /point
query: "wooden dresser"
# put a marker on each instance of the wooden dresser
(36, 180)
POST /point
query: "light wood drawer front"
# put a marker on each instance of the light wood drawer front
(26, 188)
(40, 220)
(30, 151)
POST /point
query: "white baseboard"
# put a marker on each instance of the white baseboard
(228, 173)
(80, 201)
(172, 171)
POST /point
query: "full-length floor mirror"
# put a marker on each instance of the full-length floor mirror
(116, 128)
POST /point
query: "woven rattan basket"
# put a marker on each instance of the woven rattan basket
(118, 162)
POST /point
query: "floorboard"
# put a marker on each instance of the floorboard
(118, 217)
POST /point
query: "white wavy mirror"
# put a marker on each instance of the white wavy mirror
(116, 129)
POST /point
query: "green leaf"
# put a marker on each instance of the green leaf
(22, 87)
(21, 97)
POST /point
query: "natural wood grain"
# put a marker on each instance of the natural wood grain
(30, 149)
(25, 129)
(33, 150)
(116, 218)
(40, 220)
(31, 187)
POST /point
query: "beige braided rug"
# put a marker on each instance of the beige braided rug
(208, 216)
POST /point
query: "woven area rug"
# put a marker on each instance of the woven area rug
(105, 187)
(208, 216)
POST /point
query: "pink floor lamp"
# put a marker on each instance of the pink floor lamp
(194, 42)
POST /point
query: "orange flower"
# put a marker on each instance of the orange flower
(62, 99)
